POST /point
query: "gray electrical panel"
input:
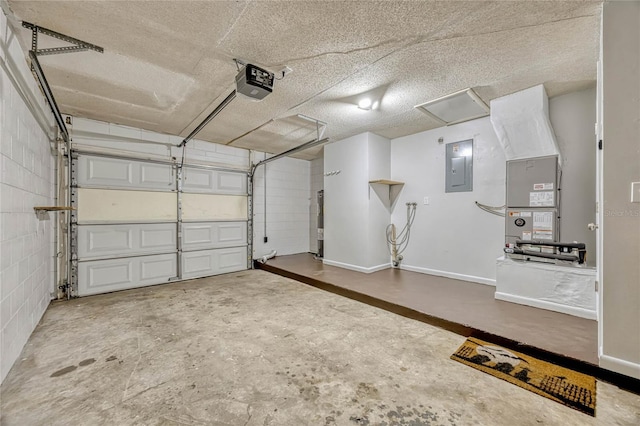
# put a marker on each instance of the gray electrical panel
(532, 211)
(459, 166)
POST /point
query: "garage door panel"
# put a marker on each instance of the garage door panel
(101, 276)
(214, 181)
(232, 233)
(197, 233)
(212, 207)
(158, 238)
(211, 262)
(160, 176)
(231, 183)
(110, 274)
(157, 268)
(206, 235)
(111, 205)
(105, 172)
(198, 264)
(101, 242)
(198, 180)
(105, 241)
(232, 260)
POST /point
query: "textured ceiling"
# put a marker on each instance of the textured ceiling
(166, 65)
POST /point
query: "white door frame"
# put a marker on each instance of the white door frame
(599, 201)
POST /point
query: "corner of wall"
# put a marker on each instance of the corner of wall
(26, 243)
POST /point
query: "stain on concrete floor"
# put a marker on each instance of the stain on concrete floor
(258, 349)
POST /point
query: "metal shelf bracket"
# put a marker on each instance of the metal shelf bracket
(78, 45)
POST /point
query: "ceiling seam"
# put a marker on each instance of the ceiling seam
(249, 132)
(224, 37)
(421, 40)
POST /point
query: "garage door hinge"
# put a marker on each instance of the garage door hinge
(597, 285)
(600, 144)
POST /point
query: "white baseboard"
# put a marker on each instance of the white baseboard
(355, 267)
(551, 306)
(454, 275)
(620, 366)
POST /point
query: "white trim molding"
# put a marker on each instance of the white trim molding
(356, 267)
(551, 306)
(620, 366)
(446, 274)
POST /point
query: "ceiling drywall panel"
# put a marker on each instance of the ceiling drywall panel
(166, 65)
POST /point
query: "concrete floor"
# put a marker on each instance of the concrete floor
(253, 348)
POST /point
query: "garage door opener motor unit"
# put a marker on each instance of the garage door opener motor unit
(254, 82)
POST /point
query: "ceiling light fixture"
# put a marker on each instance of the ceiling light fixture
(367, 104)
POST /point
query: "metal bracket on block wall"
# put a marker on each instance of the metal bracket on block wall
(78, 45)
(36, 68)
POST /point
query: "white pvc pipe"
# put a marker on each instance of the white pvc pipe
(266, 257)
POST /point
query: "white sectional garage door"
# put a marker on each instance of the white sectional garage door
(139, 223)
(214, 222)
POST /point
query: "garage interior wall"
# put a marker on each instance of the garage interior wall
(450, 235)
(288, 201)
(356, 213)
(620, 337)
(27, 180)
(26, 253)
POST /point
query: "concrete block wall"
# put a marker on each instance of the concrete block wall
(130, 140)
(287, 207)
(27, 180)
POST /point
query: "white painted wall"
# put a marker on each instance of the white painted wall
(379, 211)
(620, 289)
(573, 117)
(26, 243)
(346, 201)
(451, 236)
(355, 217)
(287, 210)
